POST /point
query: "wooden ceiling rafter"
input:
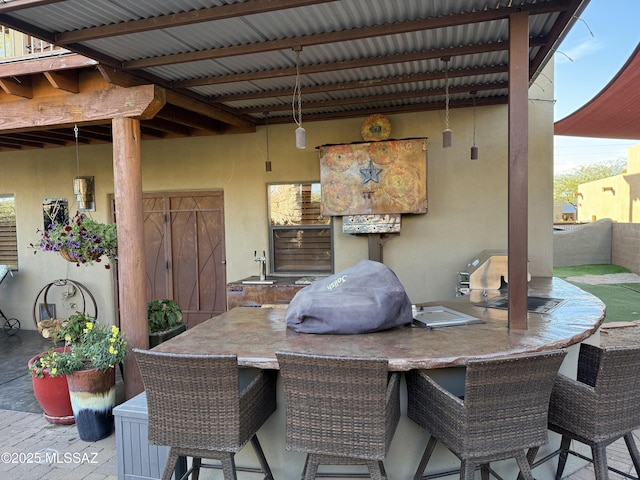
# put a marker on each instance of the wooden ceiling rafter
(382, 97)
(43, 137)
(351, 64)
(66, 80)
(379, 82)
(17, 86)
(340, 36)
(252, 7)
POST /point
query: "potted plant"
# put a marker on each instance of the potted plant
(82, 240)
(49, 388)
(89, 365)
(164, 317)
(47, 370)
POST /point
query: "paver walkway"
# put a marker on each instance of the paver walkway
(32, 449)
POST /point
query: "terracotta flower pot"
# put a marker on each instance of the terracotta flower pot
(93, 396)
(52, 394)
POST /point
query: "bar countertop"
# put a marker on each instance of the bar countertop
(254, 334)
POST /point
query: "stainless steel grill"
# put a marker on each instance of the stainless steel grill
(487, 271)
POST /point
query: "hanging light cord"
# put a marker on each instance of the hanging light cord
(446, 93)
(474, 119)
(267, 132)
(297, 93)
(75, 132)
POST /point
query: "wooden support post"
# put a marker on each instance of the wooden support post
(127, 179)
(375, 247)
(376, 242)
(518, 169)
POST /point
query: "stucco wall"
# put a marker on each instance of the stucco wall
(587, 244)
(617, 197)
(467, 200)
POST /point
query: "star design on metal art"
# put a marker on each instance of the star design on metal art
(370, 173)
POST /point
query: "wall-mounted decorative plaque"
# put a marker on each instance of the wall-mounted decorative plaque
(374, 177)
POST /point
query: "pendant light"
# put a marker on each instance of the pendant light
(474, 148)
(82, 186)
(296, 104)
(447, 134)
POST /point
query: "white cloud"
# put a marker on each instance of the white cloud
(584, 48)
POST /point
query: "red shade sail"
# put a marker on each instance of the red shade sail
(612, 113)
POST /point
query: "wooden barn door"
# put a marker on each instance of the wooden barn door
(185, 251)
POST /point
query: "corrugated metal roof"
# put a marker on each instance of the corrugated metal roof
(352, 50)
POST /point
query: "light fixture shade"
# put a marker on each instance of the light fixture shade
(301, 138)
(474, 153)
(447, 138)
(83, 189)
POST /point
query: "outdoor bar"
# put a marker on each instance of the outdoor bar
(256, 333)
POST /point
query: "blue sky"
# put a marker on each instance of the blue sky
(590, 56)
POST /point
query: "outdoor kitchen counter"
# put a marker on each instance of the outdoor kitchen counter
(254, 334)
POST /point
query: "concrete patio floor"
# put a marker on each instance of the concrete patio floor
(31, 448)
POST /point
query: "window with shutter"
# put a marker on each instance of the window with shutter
(301, 238)
(8, 236)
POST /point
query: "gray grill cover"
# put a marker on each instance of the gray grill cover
(364, 298)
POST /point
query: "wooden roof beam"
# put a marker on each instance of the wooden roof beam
(378, 82)
(167, 126)
(211, 111)
(149, 132)
(351, 64)
(185, 117)
(252, 7)
(381, 98)
(416, 107)
(20, 4)
(37, 137)
(19, 87)
(141, 102)
(67, 80)
(342, 35)
(101, 133)
(65, 61)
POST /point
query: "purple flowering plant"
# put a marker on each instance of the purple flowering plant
(81, 240)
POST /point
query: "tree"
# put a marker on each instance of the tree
(565, 185)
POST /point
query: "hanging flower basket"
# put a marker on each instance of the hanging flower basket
(82, 240)
(66, 255)
(69, 256)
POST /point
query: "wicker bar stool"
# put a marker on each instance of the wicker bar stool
(339, 410)
(600, 407)
(198, 407)
(503, 413)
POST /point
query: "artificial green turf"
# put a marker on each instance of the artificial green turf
(622, 299)
(601, 269)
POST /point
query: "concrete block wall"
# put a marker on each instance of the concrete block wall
(625, 245)
(600, 242)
